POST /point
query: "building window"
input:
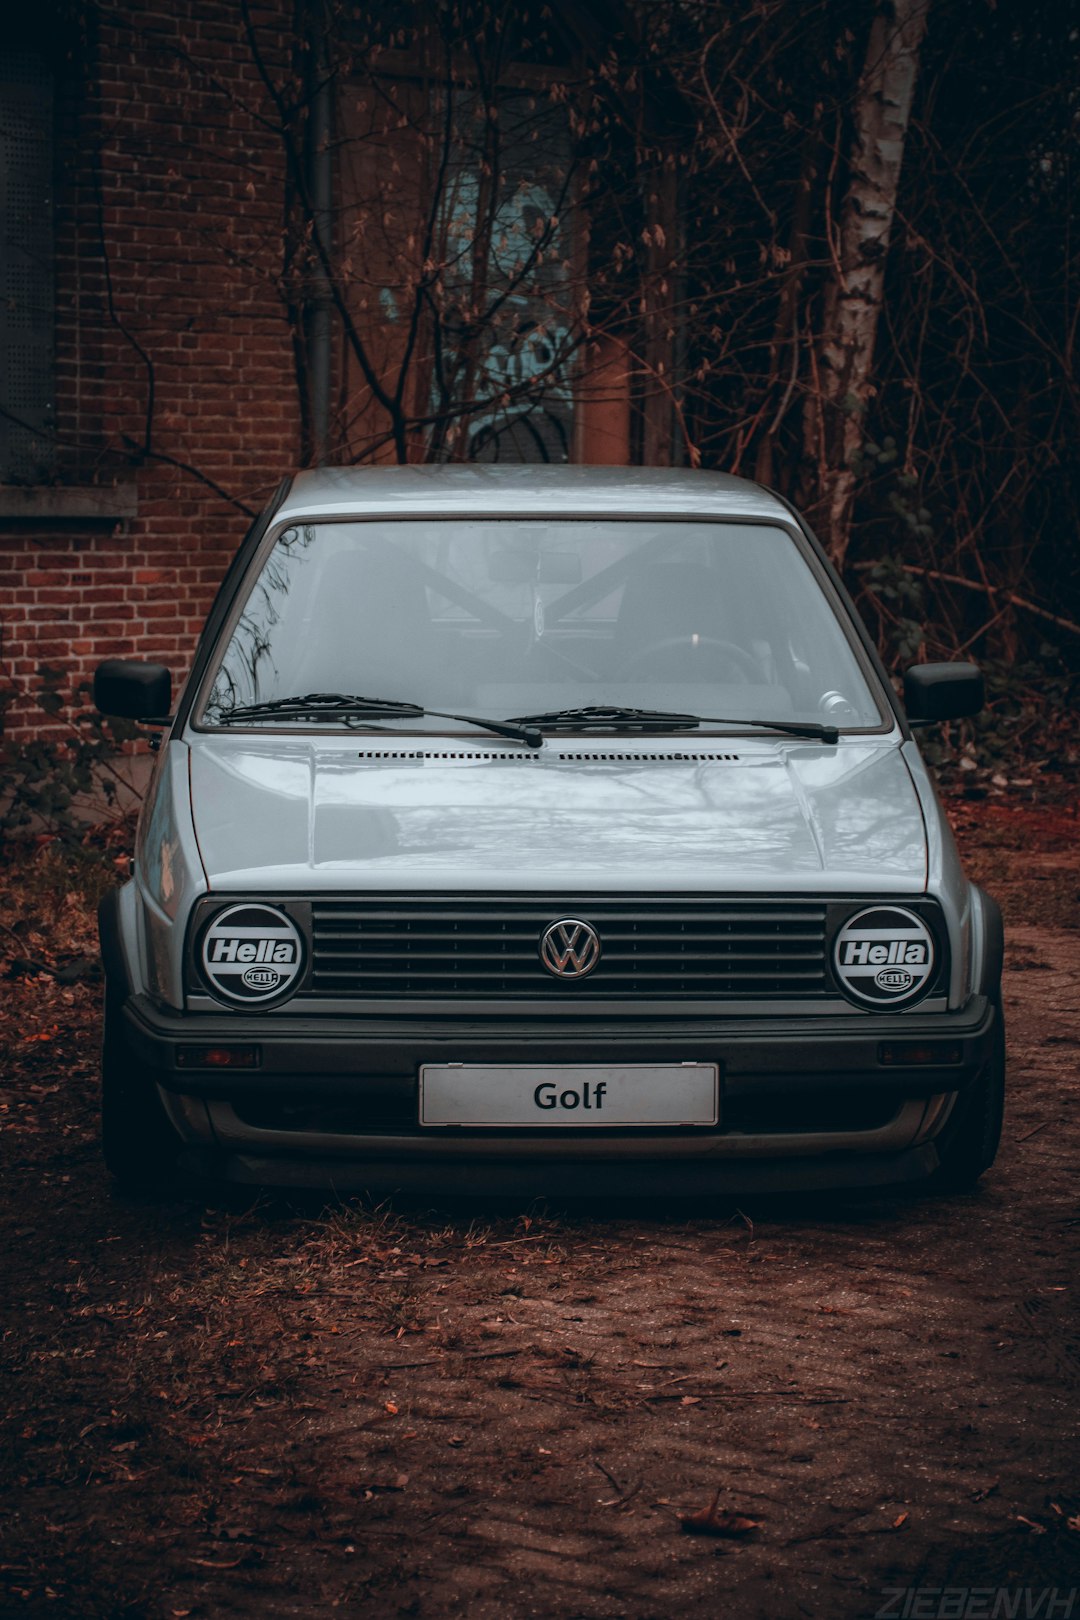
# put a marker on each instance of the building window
(27, 397)
(459, 230)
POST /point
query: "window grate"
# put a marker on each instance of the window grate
(27, 449)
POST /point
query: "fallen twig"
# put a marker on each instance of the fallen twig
(625, 1494)
(758, 1394)
(484, 1355)
(608, 1475)
(434, 1361)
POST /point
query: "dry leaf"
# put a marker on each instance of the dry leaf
(713, 1521)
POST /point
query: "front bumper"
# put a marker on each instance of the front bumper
(805, 1101)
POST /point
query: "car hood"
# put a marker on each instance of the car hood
(332, 813)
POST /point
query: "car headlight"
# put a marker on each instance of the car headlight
(884, 956)
(250, 954)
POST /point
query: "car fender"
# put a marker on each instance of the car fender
(169, 874)
(987, 944)
(118, 934)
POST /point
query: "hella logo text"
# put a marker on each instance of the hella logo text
(896, 978)
(257, 978)
(865, 953)
(253, 950)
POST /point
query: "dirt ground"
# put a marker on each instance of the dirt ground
(282, 1410)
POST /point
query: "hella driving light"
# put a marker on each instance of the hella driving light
(884, 957)
(251, 954)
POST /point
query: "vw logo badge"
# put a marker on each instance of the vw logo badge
(570, 948)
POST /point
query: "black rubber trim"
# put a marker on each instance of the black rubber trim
(338, 1057)
(223, 602)
(118, 984)
(866, 642)
(988, 972)
(576, 1178)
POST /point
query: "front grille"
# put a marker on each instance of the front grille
(487, 946)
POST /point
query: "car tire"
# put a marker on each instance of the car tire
(969, 1143)
(138, 1143)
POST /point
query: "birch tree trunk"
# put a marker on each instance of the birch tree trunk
(851, 307)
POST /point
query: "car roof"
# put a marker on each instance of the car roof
(525, 492)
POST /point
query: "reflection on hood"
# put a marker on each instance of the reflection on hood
(325, 813)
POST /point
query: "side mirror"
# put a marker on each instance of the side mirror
(132, 690)
(943, 692)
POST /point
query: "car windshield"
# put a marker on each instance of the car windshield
(504, 618)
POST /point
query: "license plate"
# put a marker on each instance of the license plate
(546, 1098)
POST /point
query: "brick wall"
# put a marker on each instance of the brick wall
(169, 198)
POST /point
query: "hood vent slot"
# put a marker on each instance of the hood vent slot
(502, 757)
(652, 759)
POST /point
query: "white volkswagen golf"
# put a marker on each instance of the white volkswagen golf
(545, 829)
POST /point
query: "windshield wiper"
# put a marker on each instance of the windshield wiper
(616, 717)
(346, 707)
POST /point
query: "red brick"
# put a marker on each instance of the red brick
(179, 148)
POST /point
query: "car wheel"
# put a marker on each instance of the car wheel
(138, 1143)
(969, 1143)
